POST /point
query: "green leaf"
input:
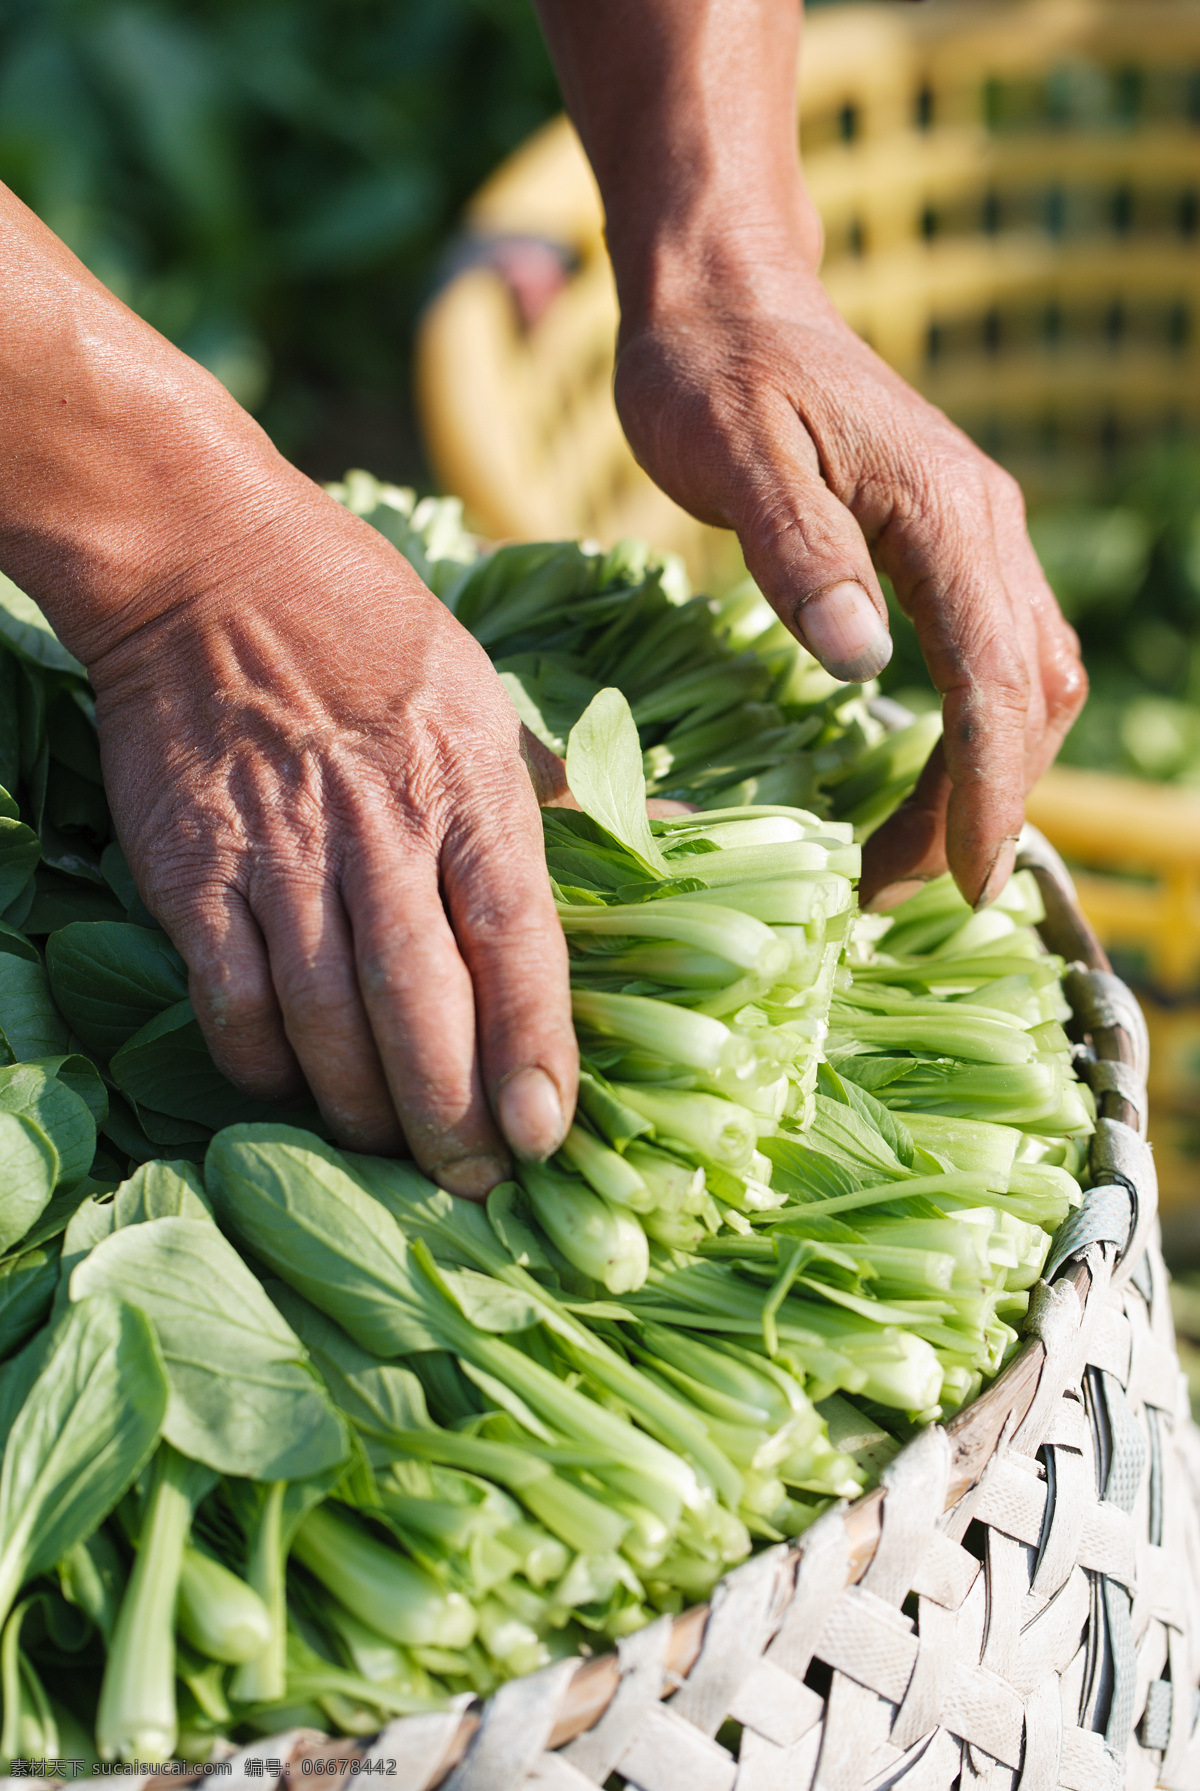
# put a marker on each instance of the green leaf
(161, 1191)
(18, 1375)
(71, 730)
(110, 977)
(124, 1129)
(88, 1426)
(17, 944)
(64, 1117)
(872, 1072)
(299, 1208)
(244, 1399)
(508, 1214)
(28, 1172)
(92, 1221)
(155, 1190)
(58, 900)
(166, 1067)
(20, 854)
(520, 587)
(616, 1122)
(32, 1023)
(77, 809)
(382, 1396)
(58, 1212)
(10, 729)
(26, 631)
(27, 1284)
(82, 1078)
(891, 1129)
(490, 1305)
(35, 753)
(604, 771)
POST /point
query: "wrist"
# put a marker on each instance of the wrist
(721, 262)
(124, 466)
(111, 513)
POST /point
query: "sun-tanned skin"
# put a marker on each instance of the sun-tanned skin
(318, 781)
(749, 401)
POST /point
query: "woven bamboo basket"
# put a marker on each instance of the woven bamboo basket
(1016, 1605)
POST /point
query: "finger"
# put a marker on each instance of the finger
(949, 580)
(311, 954)
(229, 980)
(547, 772)
(808, 556)
(910, 847)
(500, 902)
(1061, 676)
(418, 998)
(1064, 687)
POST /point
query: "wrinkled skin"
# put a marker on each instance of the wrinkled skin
(750, 402)
(323, 799)
(788, 428)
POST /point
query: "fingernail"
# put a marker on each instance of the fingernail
(530, 1112)
(472, 1177)
(892, 894)
(842, 627)
(997, 877)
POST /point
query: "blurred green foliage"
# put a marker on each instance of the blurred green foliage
(268, 182)
(1127, 574)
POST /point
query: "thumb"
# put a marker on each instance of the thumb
(807, 555)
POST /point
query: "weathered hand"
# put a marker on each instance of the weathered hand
(750, 402)
(314, 771)
(318, 781)
(776, 420)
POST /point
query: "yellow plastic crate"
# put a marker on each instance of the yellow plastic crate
(1011, 197)
(1135, 852)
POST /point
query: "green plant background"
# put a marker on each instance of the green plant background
(270, 182)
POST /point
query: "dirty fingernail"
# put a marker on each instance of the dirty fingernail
(998, 876)
(472, 1177)
(530, 1112)
(892, 894)
(845, 631)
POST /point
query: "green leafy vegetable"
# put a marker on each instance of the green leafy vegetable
(243, 1398)
(29, 1019)
(63, 1115)
(109, 978)
(167, 1068)
(86, 1429)
(29, 1169)
(604, 771)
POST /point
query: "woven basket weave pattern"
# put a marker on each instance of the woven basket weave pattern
(1015, 1608)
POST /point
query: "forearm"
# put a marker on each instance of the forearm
(123, 464)
(687, 110)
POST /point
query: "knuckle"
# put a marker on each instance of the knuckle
(517, 915)
(233, 1011)
(316, 993)
(1006, 493)
(1066, 691)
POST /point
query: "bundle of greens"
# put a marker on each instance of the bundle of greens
(290, 1436)
(730, 708)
